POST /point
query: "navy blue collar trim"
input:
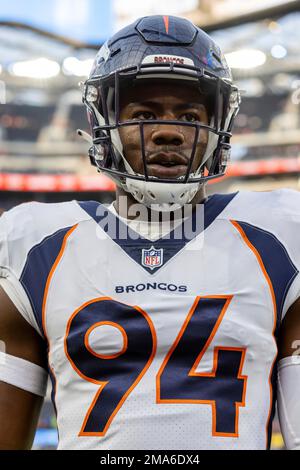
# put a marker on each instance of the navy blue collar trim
(135, 245)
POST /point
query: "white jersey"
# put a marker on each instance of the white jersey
(158, 344)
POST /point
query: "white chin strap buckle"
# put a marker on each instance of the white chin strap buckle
(162, 196)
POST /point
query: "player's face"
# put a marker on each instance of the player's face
(168, 147)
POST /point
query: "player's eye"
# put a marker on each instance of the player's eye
(143, 115)
(190, 117)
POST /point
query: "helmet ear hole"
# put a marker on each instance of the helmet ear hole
(138, 194)
(151, 195)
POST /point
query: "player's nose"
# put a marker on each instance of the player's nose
(167, 134)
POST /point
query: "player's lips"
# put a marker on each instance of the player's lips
(167, 165)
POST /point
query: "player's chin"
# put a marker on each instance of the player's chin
(161, 171)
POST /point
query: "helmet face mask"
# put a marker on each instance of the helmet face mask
(111, 76)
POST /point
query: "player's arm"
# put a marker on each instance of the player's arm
(19, 408)
(289, 377)
(289, 339)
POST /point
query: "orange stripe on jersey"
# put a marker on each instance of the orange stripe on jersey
(267, 277)
(50, 276)
(108, 356)
(166, 21)
(45, 297)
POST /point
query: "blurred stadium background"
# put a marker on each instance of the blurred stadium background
(47, 47)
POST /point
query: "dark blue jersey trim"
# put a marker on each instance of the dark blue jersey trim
(40, 260)
(133, 244)
(279, 266)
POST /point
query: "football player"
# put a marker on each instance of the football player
(169, 319)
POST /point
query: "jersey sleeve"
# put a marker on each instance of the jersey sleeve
(15, 228)
(31, 236)
(287, 214)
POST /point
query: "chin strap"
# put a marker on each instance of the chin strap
(161, 197)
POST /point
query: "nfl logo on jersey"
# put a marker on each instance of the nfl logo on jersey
(152, 258)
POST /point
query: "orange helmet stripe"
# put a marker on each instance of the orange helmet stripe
(166, 21)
